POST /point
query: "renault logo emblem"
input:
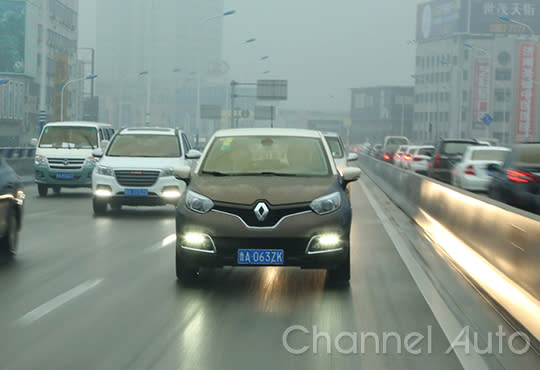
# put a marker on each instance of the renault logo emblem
(261, 211)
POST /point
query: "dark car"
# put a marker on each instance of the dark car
(11, 209)
(447, 153)
(265, 197)
(517, 181)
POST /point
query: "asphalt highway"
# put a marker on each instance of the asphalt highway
(91, 292)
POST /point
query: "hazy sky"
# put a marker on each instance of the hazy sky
(322, 48)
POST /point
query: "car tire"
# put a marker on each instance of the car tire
(341, 274)
(184, 273)
(8, 244)
(42, 190)
(99, 206)
(57, 189)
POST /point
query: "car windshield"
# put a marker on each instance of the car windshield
(529, 156)
(69, 137)
(489, 155)
(335, 146)
(263, 155)
(454, 148)
(145, 145)
(396, 141)
(425, 151)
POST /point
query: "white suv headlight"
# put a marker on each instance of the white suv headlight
(198, 203)
(91, 161)
(327, 204)
(41, 160)
(166, 172)
(105, 171)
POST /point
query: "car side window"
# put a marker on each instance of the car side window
(185, 141)
(101, 134)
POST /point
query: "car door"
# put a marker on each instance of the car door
(6, 191)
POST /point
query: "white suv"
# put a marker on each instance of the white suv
(137, 168)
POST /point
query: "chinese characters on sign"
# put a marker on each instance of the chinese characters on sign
(526, 94)
(510, 9)
(482, 88)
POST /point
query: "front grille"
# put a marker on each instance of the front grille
(66, 163)
(275, 213)
(136, 178)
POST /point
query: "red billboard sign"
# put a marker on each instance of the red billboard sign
(526, 93)
(481, 88)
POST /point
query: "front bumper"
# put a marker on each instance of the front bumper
(155, 192)
(81, 178)
(293, 234)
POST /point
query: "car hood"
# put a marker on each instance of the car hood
(64, 153)
(140, 162)
(276, 190)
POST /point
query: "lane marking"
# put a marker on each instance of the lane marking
(450, 325)
(167, 241)
(41, 213)
(56, 302)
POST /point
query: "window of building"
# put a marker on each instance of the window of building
(503, 58)
(465, 96)
(503, 74)
(465, 75)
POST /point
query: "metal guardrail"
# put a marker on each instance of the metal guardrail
(18, 153)
(506, 238)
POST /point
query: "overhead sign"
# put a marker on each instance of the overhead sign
(481, 89)
(441, 18)
(484, 15)
(264, 113)
(272, 89)
(526, 93)
(210, 112)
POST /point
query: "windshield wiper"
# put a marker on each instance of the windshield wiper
(270, 173)
(216, 173)
(88, 141)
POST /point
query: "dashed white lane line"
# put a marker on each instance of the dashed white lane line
(56, 302)
(167, 241)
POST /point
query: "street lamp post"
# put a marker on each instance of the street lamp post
(89, 77)
(4, 81)
(148, 96)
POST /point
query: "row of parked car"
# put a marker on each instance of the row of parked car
(510, 175)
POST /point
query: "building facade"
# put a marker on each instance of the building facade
(175, 42)
(381, 111)
(477, 74)
(22, 27)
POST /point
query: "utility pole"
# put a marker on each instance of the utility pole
(233, 96)
(43, 75)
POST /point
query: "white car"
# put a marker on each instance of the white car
(137, 168)
(338, 150)
(419, 158)
(399, 156)
(471, 172)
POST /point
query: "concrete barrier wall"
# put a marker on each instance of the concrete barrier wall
(20, 159)
(508, 238)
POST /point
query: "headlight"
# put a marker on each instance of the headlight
(327, 204)
(198, 203)
(105, 171)
(41, 160)
(91, 161)
(166, 172)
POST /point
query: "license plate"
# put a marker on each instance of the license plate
(64, 176)
(260, 256)
(136, 192)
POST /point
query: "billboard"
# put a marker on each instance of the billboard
(526, 92)
(272, 89)
(18, 38)
(441, 18)
(484, 15)
(481, 88)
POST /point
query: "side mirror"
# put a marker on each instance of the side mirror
(34, 142)
(352, 157)
(351, 174)
(193, 154)
(104, 144)
(182, 173)
(98, 153)
(494, 167)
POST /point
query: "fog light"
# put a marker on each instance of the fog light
(103, 191)
(324, 243)
(171, 193)
(198, 242)
(328, 240)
